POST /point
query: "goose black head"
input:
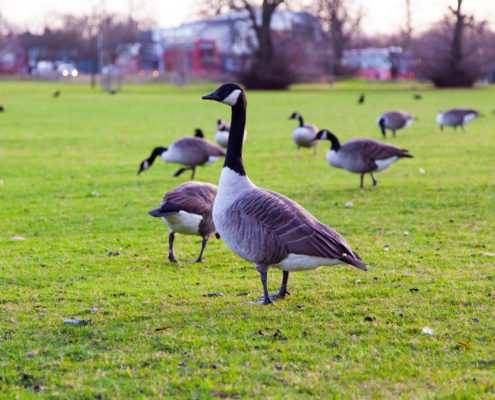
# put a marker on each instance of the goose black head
(325, 134)
(295, 115)
(220, 124)
(157, 151)
(199, 133)
(229, 93)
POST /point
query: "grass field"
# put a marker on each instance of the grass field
(68, 185)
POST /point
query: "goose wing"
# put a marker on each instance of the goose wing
(194, 151)
(274, 226)
(192, 197)
(370, 149)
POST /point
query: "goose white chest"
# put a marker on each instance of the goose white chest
(183, 222)
(333, 158)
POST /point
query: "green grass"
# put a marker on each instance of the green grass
(68, 167)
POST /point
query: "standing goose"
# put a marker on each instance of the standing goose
(361, 155)
(394, 120)
(303, 134)
(188, 151)
(456, 117)
(187, 210)
(265, 227)
(222, 133)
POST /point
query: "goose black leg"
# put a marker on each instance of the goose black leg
(393, 131)
(266, 296)
(203, 245)
(193, 169)
(362, 180)
(171, 256)
(374, 180)
(283, 288)
(180, 171)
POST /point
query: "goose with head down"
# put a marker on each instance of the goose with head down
(361, 155)
(188, 151)
(394, 120)
(265, 227)
(456, 117)
(187, 210)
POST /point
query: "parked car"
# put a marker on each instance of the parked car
(67, 70)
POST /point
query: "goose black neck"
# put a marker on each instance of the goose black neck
(157, 151)
(233, 159)
(301, 121)
(335, 142)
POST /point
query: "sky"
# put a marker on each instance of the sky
(381, 16)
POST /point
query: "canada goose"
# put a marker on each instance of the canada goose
(188, 151)
(361, 155)
(456, 117)
(222, 133)
(303, 134)
(265, 227)
(394, 120)
(199, 133)
(187, 210)
(2, 108)
(361, 99)
(418, 97)
(56, 93)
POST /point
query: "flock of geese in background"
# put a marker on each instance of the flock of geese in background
(261, 226)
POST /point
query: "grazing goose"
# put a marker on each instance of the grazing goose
(2, 108)
(394, 120)
(456, 117)
(188, 151)
(303, 134)
(56, 93)
(222, 133)
(361, 99)
(361, 155)
(265, 227)
(187, 210)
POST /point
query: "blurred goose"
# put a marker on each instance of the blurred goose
(361, 155)
(265, 227)
(361, 98)
(187, 210)
(456, 117)
(188, 151)
(303, 134)
(394, 120)
(222, 133)
(2, 108)
(199, 133)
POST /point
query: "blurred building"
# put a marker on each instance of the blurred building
(222, 44)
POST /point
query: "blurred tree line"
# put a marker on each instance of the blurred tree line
(455, 51)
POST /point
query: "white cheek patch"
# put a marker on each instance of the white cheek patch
(440, 118)
(231, 99)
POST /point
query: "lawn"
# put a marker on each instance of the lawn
(68, 186)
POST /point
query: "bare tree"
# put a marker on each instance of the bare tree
(340, 24)
(453, 52)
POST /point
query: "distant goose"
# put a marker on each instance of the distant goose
(361, 155)
(2, 108)
(394, 120)
(188, 151)
(199, 133)
(265, 227)
(417, 97)
(361, 99)
(187, 210)
(456, 117)
(222, 133)
(303, 134)
(56, 93)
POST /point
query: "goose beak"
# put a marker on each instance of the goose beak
(212, 96)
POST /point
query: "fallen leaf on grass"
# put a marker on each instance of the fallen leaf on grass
(32, 353)
(17, 238)
(489, 254)
(464, 343)
(422, 171)
(77, 321)
(349, 204)
(163, 329)
(428, 331)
